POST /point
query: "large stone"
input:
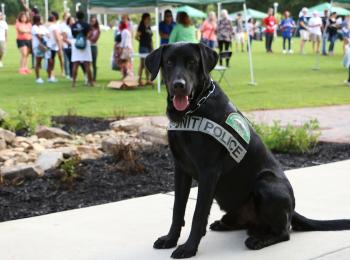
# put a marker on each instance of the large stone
(109, 144)
(51, 133)
(8, 136)
(2, 144)
(130, 124)
(20, 171)
(154, 135)
(49, 159)
(6, 154)
(86, 152)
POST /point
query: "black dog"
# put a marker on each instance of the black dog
(212, 142)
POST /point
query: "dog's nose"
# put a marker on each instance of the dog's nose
(179, 84)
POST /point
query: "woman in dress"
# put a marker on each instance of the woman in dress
(94, 37)
(126, 50)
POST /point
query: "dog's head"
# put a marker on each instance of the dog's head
(185, 69)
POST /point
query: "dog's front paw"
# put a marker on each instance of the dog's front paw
(184, 251)
(254, 243)
(165, 242)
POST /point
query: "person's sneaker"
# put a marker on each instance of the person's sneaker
(39, 81)
(284, 51)
(1, 65)
(291, 51)
(27, 71)
(22, 71)
(52, 80)
(347, 83)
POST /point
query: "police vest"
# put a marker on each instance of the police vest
(235, 136)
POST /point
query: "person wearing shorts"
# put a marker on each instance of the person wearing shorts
(3, 37)
(144, 36)
(54, 45)
(304, 33)
(24, 41)
(315, 25)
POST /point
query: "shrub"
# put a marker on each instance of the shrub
(289, 138)
(69, 169)
(26, 120)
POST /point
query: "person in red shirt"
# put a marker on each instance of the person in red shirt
(270, 24)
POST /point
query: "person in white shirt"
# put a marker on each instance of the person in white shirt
(315, 29)
(67, 44)
(40, 36)
(126, 49)
(54, 44)
(3, 37)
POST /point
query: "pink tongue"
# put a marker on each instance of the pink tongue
(180, 102)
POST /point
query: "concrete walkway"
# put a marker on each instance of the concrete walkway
(126, 230)
(334, 120)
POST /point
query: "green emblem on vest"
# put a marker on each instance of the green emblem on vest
(240, 125)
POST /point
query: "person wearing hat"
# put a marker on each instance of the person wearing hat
(315, 25)
(303, 30)
(3, 37)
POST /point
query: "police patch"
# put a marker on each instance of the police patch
(206, 126)
(240, 125)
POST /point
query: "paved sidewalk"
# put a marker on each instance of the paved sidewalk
(126, 230)
(334, 120)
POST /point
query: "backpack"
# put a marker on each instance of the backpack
(80, 41)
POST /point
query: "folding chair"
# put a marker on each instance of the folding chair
(222, 69)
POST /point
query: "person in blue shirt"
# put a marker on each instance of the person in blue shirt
(287, 25)
(166, 26)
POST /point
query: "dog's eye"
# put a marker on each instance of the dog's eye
(169, 63)
(192, 62)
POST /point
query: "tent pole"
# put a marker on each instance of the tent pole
(219, 11)
(252, 80)
(157, 45)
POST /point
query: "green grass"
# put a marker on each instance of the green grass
(284, 81)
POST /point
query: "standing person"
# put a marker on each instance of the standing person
(63, 29)
(332, 32)
(67, 38)
(3, 38)
(224, 34)
(166, 26)
(184, 31)
(40, 36)
(81, 49)
(315, 26)
(144, 36)
(303, 30)
(24, 41)
(346, 60)
(287, 24)
(54, 44)
(129, 25)
(325, 24)
(345, 28)
(270, 24)
(94, 36)
(208, 30)
(239, 32)
(126, 50)
(251, 27)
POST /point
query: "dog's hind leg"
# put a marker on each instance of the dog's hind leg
(228, 222)
(274, 203)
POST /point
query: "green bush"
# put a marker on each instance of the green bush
(26, 119)
(289, 138)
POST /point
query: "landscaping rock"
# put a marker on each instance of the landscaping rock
(2, 144)
(86, 152)
(8, 136)
(6, 155)
(23, 171)
(51, 133)
(130, 124)
(49, 159)
(109, 144)
(67, 151)
(154, 134)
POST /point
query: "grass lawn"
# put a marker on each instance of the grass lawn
(284, 81)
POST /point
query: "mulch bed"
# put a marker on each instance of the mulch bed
(102, 181)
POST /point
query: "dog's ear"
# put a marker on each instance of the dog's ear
(209, 58)
(153, 61)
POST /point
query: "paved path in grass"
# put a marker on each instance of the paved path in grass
(334, 120)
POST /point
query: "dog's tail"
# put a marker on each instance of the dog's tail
(301, 223)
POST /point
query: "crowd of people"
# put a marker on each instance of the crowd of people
(74, 42)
